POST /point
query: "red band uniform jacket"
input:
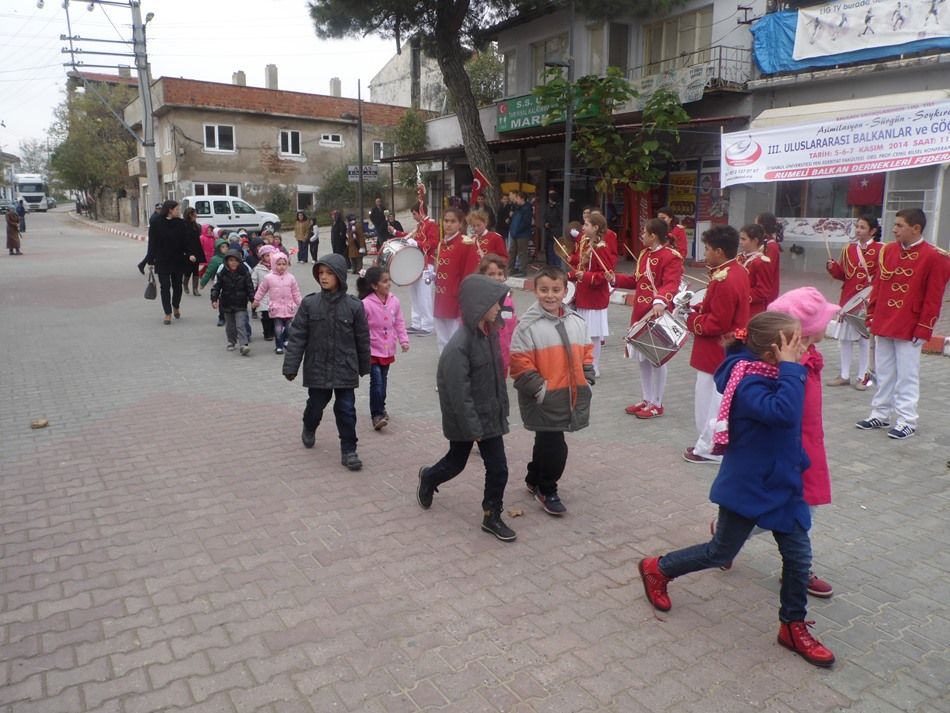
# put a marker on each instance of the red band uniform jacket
(456, 258)
(665, 268)
(772, 251)
(426, 236)
(857, 268)
(490, 243)
(759, 267)
(593, 290)
(724, 310)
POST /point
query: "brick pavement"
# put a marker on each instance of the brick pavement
(168, 545)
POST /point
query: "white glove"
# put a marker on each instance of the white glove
(917, 341)
(362, 251)
(412, 242)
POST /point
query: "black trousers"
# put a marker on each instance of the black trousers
(547, 461)
(492, 451)
(344, 409)
(170, 289)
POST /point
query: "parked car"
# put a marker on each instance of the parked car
(50, 202)
(230, 213)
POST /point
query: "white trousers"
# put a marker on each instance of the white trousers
(444, 329)
(864, 350)
(897, 366)
(653, 381)
(423, 299)
(706, 412)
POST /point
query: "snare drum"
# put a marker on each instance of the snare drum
(854, 312)
(658, 339)
(402, 261)
(697, 298)
(568, 298)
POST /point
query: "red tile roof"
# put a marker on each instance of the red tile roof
(105, 78)
(214, 95)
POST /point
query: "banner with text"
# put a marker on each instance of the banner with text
(837, 27)
(871, 143)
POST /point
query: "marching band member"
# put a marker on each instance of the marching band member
(724, 310)
(856, 269)
(486, 241)
(426, 238)
(655, 281)
(906, 296)
(455, 258)
(590, 264)
(677, 231)
(757, 264)
(771, 247)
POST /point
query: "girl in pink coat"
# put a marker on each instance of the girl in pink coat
(496, 267)
(283, 292)
(386, 328)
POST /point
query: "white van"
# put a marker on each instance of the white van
(230, 213)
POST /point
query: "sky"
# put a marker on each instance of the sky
(195, 39)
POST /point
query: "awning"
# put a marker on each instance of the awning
(837, 110)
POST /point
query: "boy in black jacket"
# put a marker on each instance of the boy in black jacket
(474, 401)
(330, 334)
(233, 289)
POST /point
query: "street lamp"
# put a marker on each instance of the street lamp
(568, 118)
(359, 140)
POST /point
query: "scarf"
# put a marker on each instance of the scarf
(742, 369)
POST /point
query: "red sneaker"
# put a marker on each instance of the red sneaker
(818, 587)
(654, 583)
(794, 635)
(634, 409)
(650, 411)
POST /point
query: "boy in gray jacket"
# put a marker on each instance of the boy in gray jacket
(474, 401)
(330, 334)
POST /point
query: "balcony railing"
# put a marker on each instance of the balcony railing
(727, 68)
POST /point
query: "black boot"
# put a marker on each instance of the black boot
(493, 524)
(425, 490)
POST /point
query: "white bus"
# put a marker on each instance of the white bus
(32, 188)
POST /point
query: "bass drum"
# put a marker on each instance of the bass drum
(568, 298)
(402, 261)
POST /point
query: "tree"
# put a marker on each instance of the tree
(33, 156)
(408, 136)
(637, 160)
(486, 71)
(337, 193)
(450, 29)
(93, 147)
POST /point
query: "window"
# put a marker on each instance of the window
(306, 201)
(595, 49)
(167, 135)
(290, 143)
(219, 137)
(222, 207)
(552, 49)
(511, 73)
(203, 207)
(677, 41)
(243, 208)
(218, 189)
(820, 198)
(334, 140)
(382, 149)
(170, 193)
(618, 47)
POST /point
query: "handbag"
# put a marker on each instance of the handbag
(151, 290)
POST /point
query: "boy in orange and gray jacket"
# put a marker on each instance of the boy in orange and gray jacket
(552, 364)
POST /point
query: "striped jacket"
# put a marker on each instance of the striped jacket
(552, 364)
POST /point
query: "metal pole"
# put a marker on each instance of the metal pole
(392, 187)
(359, 141)
(568, 122)
(145, 92)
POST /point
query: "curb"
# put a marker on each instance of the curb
(114, 231)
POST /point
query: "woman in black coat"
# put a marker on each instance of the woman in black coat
(338, 241)
(194, 248)
(171, 253)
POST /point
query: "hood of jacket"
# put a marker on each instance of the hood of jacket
(235, 254)
(207, 230)
(536, 313)
(255, 244)
(218, 243)
(336, 263)
(477, 294)
(721, 376)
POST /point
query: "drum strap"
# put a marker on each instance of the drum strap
(864, 263)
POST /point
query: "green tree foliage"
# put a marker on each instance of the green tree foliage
(33, 156)
(277, 201)
(337, 193)
(486, 71)
(408, 136)
(622, 159)
(92, 146)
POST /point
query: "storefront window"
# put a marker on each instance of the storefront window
(552, 49)
(843, 197)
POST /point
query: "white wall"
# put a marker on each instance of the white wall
(444, 132)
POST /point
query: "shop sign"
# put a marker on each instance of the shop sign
(526, 112)
(876, 142)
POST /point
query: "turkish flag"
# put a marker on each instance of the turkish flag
(866, 190)
(479, 183)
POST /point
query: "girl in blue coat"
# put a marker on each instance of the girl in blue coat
(759, 435)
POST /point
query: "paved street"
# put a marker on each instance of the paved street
(168, 544)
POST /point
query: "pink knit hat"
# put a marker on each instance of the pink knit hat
(808, 306)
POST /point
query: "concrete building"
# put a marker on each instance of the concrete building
(231, 139)
(411, 79)
(9, 165)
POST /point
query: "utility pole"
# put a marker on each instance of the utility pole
(359, 142)
(568, 122)
(155, 192)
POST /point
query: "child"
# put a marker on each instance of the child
(474, 402)
(496, 267)
(656, 281)
(281, 290)
(757, 264)
(265, 255)
(233, 289)
(760, 481)
(772, 248)
(552, 363)
(426, 238)
(808, 306)
(856, 269)
(278, 242)
(591, 262)
(678, 238)
(214, 264)
(486, 242)
(386, 327)
(330, 335)
(455, 258)
(724, 310)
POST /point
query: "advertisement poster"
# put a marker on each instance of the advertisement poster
(713, 204)
(838, 27)
(869, 143)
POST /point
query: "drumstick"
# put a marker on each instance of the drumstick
(563, 249)
(828, 248)
(629, 251)
(696, 279)
(594, 253)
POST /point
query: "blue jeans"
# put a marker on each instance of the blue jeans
(281, 325)
(344, 409)
(492, 451)
(378, 378)
(732, 530)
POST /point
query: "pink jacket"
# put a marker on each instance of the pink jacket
(207, 241)
(283, 292)
(386, 325)
(816, 480)
(504, 334)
